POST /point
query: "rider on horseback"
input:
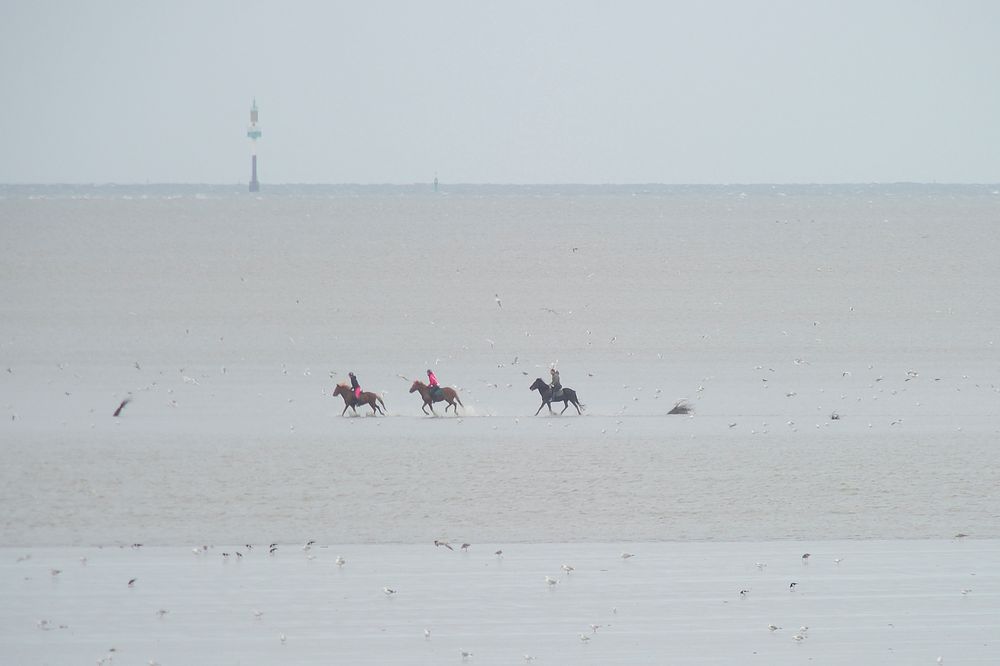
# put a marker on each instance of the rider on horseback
(355, 386)
(555, 385)
(432, 384)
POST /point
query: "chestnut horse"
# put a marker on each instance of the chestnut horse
(544, 390)
(447, 393)
(367, 398)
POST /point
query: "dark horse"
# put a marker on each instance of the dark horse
(544, 390)
(446, 393)
(367, 398)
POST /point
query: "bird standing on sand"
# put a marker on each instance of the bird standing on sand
(340, 561)
(625, 556)
(499, 304)
(443, 543)
(388, 591)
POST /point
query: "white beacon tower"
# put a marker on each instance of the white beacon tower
(253, 132)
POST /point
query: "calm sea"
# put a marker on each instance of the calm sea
(838, 345)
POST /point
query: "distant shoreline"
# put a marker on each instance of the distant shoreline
(8, 190)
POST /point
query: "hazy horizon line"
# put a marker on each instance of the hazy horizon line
(440, 183)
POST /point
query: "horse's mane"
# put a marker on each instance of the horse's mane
(343, 384)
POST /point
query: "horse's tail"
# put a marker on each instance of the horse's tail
(458, 400)
(381, 402)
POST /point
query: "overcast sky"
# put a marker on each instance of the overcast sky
(501, 92)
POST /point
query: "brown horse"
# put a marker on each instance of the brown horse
(544, 390)
(447, 393)
(367, 398)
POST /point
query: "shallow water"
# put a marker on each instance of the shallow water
(227, 320)
(837, 345)
(561, 479)
(881, 603)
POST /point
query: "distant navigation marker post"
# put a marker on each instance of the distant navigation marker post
(253, 132)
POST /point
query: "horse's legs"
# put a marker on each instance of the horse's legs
(345, 409)
(540, 407)
(565, 407)
(577, 405)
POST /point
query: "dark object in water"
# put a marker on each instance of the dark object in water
(681, 407)
(121, 406)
